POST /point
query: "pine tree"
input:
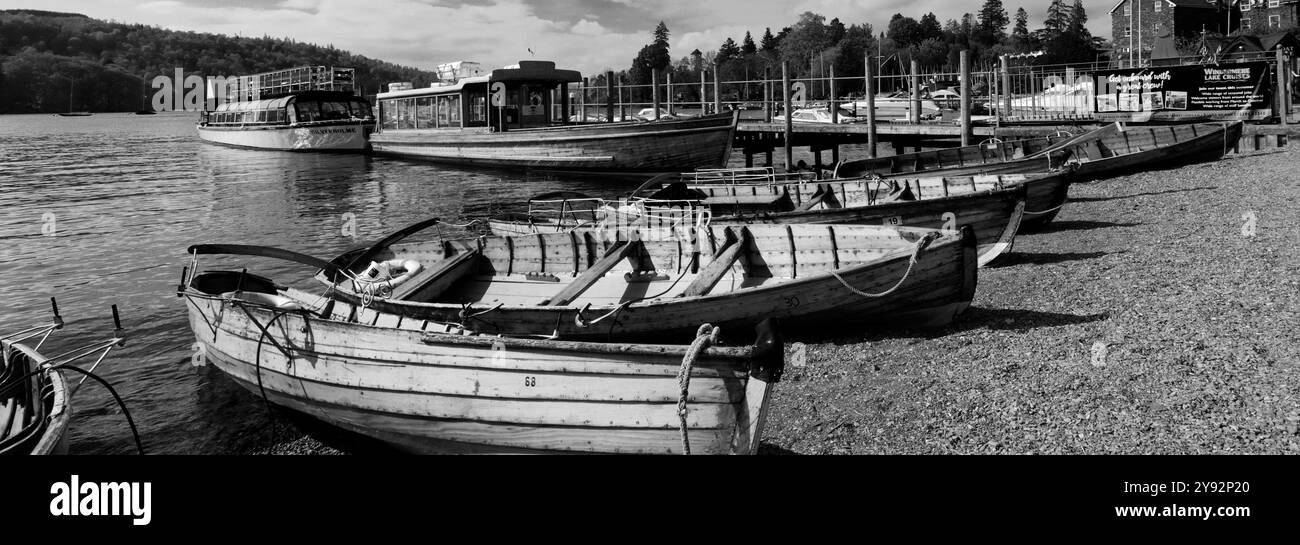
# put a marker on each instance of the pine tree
(1020, 34)
(768, 42)
(1079, 21)
(993, 20)
(1058, 19)
(747, 46)
(661, 35)
(727, 51)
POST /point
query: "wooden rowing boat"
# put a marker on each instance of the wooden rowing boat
(35, 396)
(996, 156)
(35, 404)
(575, 285)
(1116, 149)
(433, 387)
(993, 210)
(1106, 151)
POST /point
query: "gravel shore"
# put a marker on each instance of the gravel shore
(1145, 320)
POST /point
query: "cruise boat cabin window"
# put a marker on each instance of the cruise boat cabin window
(307, 111)
(361, 110)
(331, 111)
(406, 113)
(389, 109)
(477, 110)
(424, 116)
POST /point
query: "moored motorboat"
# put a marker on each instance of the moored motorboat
(507, 118)
(431, 387)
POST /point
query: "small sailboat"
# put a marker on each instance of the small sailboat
(70, 113)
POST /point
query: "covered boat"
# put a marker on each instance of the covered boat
(518, 117)
(431, 387)
(301, 109)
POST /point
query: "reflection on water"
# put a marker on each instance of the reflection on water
(124, 196)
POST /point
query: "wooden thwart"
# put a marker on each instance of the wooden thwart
(730, 252)
(437, 279)
(593, 274)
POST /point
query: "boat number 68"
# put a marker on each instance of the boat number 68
(530, 382)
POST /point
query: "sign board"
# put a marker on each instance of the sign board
(1224, 92)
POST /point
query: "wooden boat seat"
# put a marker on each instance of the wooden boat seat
(620, 252)
(732, 252)
(437, 278)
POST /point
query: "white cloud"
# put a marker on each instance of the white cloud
(500, 32)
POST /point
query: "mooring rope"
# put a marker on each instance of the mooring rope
(1049, 211)
(705, 337)
(916, 252)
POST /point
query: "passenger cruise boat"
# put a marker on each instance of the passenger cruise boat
(310, 108)
(519, 117)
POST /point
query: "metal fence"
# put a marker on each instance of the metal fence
(999, 93)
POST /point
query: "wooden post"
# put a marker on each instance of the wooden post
(609, 96)
(622, 106)
(671, 98)
(872, 137)
(789, 119)
(564, 103)
(654, 91)
(915, 116)
(1282, 74)
(1005, 110)
(582, 100)
(704, 92)
(717, 89)
(767, 97)
(966, 88)
(835, 115)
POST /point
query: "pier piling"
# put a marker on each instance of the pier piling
(789, 119)
(870, 88)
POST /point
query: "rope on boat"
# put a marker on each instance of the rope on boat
(22, 382)
(465, 226)
(916, 252)
(1049, 211)
(705, 337)
(129, 421)
(465, 316)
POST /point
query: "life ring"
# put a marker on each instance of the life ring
(370, 276)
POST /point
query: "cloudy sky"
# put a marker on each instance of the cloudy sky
(588, 35)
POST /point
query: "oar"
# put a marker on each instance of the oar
(655, 180)
(263, 251)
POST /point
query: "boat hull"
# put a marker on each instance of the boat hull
(445, 393)
(660, 146)
(50, 390)
(350, 136)
(932, 293)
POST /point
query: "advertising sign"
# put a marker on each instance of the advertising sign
(1225, 92)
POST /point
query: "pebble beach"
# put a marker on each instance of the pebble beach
(1157, 315)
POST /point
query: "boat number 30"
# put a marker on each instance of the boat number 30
(498, 94)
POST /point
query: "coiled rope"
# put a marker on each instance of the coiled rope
(705, 337)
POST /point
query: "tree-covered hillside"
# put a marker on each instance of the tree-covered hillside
(46, 56)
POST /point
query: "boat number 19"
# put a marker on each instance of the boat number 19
(530, 382)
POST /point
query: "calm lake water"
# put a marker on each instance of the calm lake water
(125, 195)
